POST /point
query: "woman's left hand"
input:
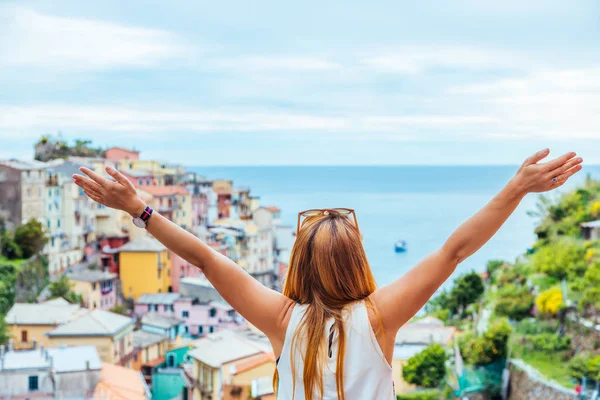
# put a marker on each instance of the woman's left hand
(535, 177)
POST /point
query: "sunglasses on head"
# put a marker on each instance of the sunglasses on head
(325, 211)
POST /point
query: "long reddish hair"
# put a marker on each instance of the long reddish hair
(328, 270)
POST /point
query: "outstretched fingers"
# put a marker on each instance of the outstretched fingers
(558, 162)
(119, 177)
(566, 166)
(540, 155)
(563, 177)
(94, 176)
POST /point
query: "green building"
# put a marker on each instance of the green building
(167, 380)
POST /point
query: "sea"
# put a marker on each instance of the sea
(422, 205)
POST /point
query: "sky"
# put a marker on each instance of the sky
(304, 83)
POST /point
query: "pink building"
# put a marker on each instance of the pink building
(199, 318)
(119, 153)
(98, 289)
(182, 269)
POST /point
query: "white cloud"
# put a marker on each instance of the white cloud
(548, 103)
(413, 59)
(283, 63)
(31, 121)
(31, 39)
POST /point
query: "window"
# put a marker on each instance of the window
(185, 314)
(50, 192)
(141, 182)
(57, 192)
(184, 213)
(200, 330)
(49, 207)
(28, 174)
(33, 383)
(48, 223)
(213, 312)
(152, 307)
(171, 360)
(211, 329)
(28, 192)
(52, 241)
(168, 307)
(58, 223)
(93, 285)
(148, 182)
(24, 336)
(116, 258)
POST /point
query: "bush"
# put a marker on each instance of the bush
(427, 368)
(493, 266)
(425, 395)
(510, 276)
(549, 342)
(514, 302)
(30, 238)
(561, 259)
(578, 366)
(8, 247)
(550, 301)
(531, 326)
(489, 347)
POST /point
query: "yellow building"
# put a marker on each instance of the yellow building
(145, 267)
(111, 333)
(97, 288)
(29, 323)
(150, 349)
(225, 359)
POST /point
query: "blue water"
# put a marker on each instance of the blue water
(422, 205)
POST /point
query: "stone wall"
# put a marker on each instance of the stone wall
(526, 383)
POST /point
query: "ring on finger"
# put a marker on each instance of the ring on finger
(555, 180)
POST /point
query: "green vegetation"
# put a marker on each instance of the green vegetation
(467, 290)
(426, 369)
(550, 302)
(489, 347)
(514, 302)
(62, 287)
(50, 148)
(27, 240)
(424, 395)
(119, 309)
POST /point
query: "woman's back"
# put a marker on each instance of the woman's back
(367, 374)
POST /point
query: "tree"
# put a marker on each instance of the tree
(30, 238)
(490, 347)
(9, 248)
(561, 259)
(514, 302)
(467, 289)
(493, 266)
(426, 369)
(62, 287)
(8, 277)
(550, 301)
(119, 309)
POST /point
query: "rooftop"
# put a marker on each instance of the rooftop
(143, 339)
(406, 351)
(23, 165)
(591, 224)
(196, 281)
(273, 209)
(94, 323)
(121, 383)
(53, 312)
(64, 359)
(143, 245)
(160, 321)
(137, 173)
(223, 347)
(66, 168)
(91, 275)
(415, 333)
(253, 362)
(158, 298)
(164, 190)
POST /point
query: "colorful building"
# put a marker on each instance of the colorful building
(22, 190)
(28, 323)
(97, 288)
(226, 358)
(180, 268)
(121, 383)
(111, 333)
(60, 373)
(119, 153)
(164, 325)
(223, 188)
(145, 267)
(150, 351)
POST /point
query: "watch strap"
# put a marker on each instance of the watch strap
(146, 214)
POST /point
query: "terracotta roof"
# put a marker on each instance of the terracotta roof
(253, 362)
(164, 190)
(273, 209)
(123, 148)
(155, 362)
(120, 383)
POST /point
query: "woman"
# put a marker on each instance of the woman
(332, 329)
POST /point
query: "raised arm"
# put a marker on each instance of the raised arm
(262, 307)
(399, 301)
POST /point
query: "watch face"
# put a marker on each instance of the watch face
(139, 222)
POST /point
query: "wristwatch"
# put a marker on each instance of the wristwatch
(143, 219)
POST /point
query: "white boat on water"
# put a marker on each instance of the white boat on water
(400, 246)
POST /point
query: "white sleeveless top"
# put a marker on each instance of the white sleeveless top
(367, 374)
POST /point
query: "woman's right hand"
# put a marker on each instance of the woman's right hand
(535, 177)
(119, 194)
